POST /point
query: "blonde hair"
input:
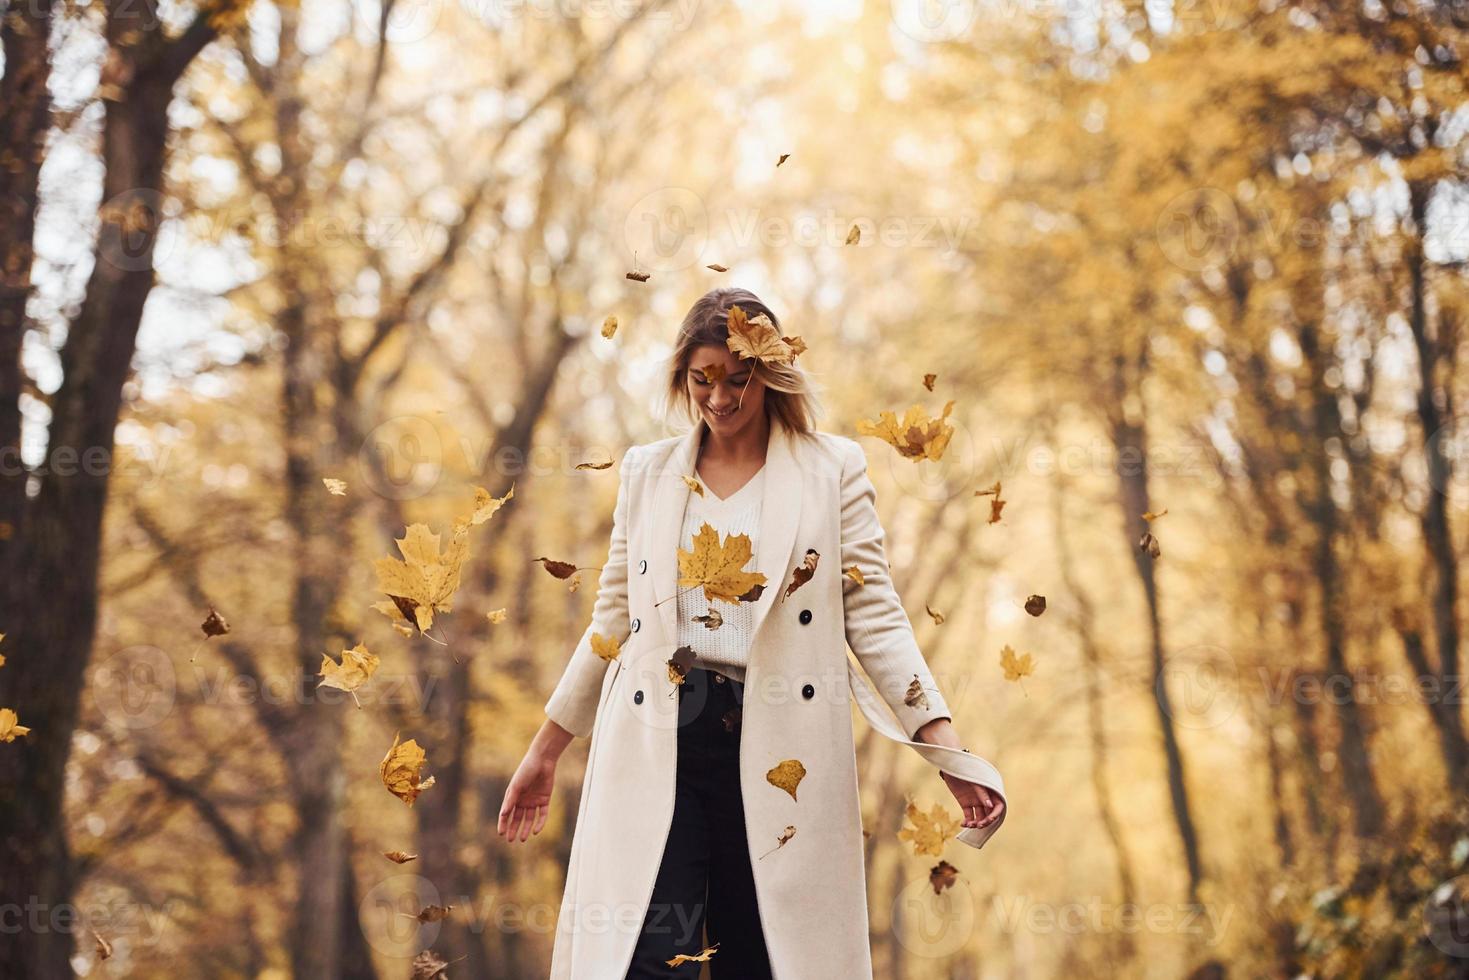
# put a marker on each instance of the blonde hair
(791, 397)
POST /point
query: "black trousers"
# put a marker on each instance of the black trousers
(704, 879)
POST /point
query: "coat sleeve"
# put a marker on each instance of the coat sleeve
(573, 704)
(878, 629)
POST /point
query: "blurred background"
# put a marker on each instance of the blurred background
(1203, 263)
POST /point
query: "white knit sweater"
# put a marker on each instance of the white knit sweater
(724, 649)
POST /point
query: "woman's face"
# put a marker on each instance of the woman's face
(735, 400)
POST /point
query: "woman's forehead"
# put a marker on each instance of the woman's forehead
(709, 354)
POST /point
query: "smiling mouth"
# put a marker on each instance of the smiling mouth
(721, 415)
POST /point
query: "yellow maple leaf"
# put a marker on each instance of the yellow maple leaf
(10, 729)
(855, 574)
(915, 436)
(425, 580)
(929, 832)
(358, 664)
(717, 566)
(485, 506)
(694, 485)
(758, 339)
(1016, 667)
(400, 770)
(605, 647)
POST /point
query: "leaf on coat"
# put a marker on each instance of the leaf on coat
(214, 624)
(754, 594)
(914, 697)
(1016, 667)
(426, 579)
(694, 485)
(938, 617)
(711, 620)
(928, 380)
(915, 436)
(10, 728)
(400, 857)
(1035, 605)
(356, 668)
(780, 841)
(609, 326)
(787, 775)
(929, 831)
(717, 566)
(337, 488)
(996, 505)
(679, 959)
(560, 569)
(803, 572)
(400, 770)
(942, 875)
(679, 664)
(606, 647)
(757, 339)
(485, 506)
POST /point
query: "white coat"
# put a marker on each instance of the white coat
(799, 685)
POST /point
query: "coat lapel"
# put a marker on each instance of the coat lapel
(780, 515)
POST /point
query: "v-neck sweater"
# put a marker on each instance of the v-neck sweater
(726, 648)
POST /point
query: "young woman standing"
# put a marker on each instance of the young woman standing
(720, 791)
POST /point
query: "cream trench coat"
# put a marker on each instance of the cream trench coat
(799, 686)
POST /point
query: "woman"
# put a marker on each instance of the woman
(720, 790)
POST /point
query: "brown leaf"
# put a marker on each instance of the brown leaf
(717, 267)
(942, 875)
(914, 696)
(783, 158)
(214, 624)
(928, 380)
(1035, 605)
(803, 572)
(400, 770)
(433, 913)
(938, 617)
(996, 505)
(780, 841)
(712, 620)
(560, 569)
(854, 236)
(593, 466)
(400, 857)
(787, 775)
(104, 948)
(1149, 544)
(679, 664)
(638, 276)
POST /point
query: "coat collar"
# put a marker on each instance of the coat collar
(780, 514)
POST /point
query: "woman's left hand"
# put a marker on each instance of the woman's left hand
(981, 807)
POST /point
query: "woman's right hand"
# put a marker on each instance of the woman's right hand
(528, 797)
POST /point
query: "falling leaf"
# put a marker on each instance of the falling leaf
(433, 913)
(787, 775)
(929, 832)
(928, 380)
(593, 466)
(335, 487)
(780, 841)
(758, 339)
(426, 579)
(914, 696)
(638, 276)
(104, 948)
(214, 624)
(356, 667)
(1035, 605)
(606, 647)
(10, 730)
(942, 875)
(713, 373)
(712, 620)
(1150, 516)
(400, 857)
(497, 616)
(560, 569)
(855, 574)
(609, 326)
(717, 566)
(428, 966)
(783, 158)
(400, 770)
(1016, 667)
(679, 664)
(854, 236)
(679, 959)
(802, 573)
(996, 505)
(938, 617)
(717, 267)
(915, 436)
(1149, 544)
(694, 485)
(485, 506)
